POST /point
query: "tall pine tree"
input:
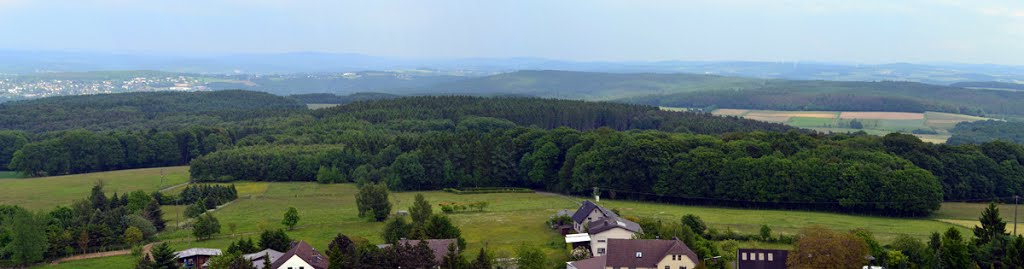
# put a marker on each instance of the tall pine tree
(992, 225)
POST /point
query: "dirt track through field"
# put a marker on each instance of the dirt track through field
(145, 250)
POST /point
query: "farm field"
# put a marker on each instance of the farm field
(876, 123)
(326, 210)
(47, 192)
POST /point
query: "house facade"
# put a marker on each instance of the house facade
(761, 258)
(608, 228)
(641, 254)
(588, 212)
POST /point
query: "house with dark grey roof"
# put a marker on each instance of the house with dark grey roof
(301, 256)
(588, 212)
(259, 258)
(438, 246)
(601, 224)
(604, 229)
(642, 254)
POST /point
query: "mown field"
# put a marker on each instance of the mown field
(511, 219)
(47, 192)
(9, 174)
(876, 123)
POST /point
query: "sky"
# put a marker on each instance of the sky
(855, 31)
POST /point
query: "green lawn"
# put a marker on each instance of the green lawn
(48, 192)
(9, 174)
(511, 219)
(124, 261)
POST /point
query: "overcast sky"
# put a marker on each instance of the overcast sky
(862, 31)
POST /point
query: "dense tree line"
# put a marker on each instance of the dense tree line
(327, 98)
(99, 222)
(978, 172)
(142, 110)
(546, 113)
(985, 131)
(419, 143)
(82, 151)
(791, 170)
(96, 223)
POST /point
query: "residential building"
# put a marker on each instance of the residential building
(438, 246)
(608, 228)
(259, 258)
(301, 256)
(196, 258)
(588, 212)
(761, 258)
(641, 254)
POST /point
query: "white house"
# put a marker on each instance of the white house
(301, 256)
(605, 229)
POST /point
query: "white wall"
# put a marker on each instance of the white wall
(295, 263)
(614, 233)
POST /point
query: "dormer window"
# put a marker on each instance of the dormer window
(639, 254)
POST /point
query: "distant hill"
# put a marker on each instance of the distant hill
(700, 91)
(27, 62)
(160, 110)
(587, 85)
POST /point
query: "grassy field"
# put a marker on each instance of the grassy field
(125, 261)
(9, 174)
(877, 123)
(48, 192)
(510, 220)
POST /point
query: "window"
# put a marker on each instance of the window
(744, 256)
(600, 250)
(639, 254)
(682, 267)
(760, 256)
(771, 256)
(601, 241)
(668, 267)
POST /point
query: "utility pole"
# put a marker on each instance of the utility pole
(1015, 204)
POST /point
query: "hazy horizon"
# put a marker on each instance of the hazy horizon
(861, 32)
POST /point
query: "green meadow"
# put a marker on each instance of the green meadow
(511, 219)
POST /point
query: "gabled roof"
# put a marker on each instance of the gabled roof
(257, 258)
(581, 214)
(439, 246)
(604, 224)
(623, 252)
(592, 263)
(306, 253)
(197, 252)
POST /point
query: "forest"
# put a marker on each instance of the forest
(626, 151)
(985, 131)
